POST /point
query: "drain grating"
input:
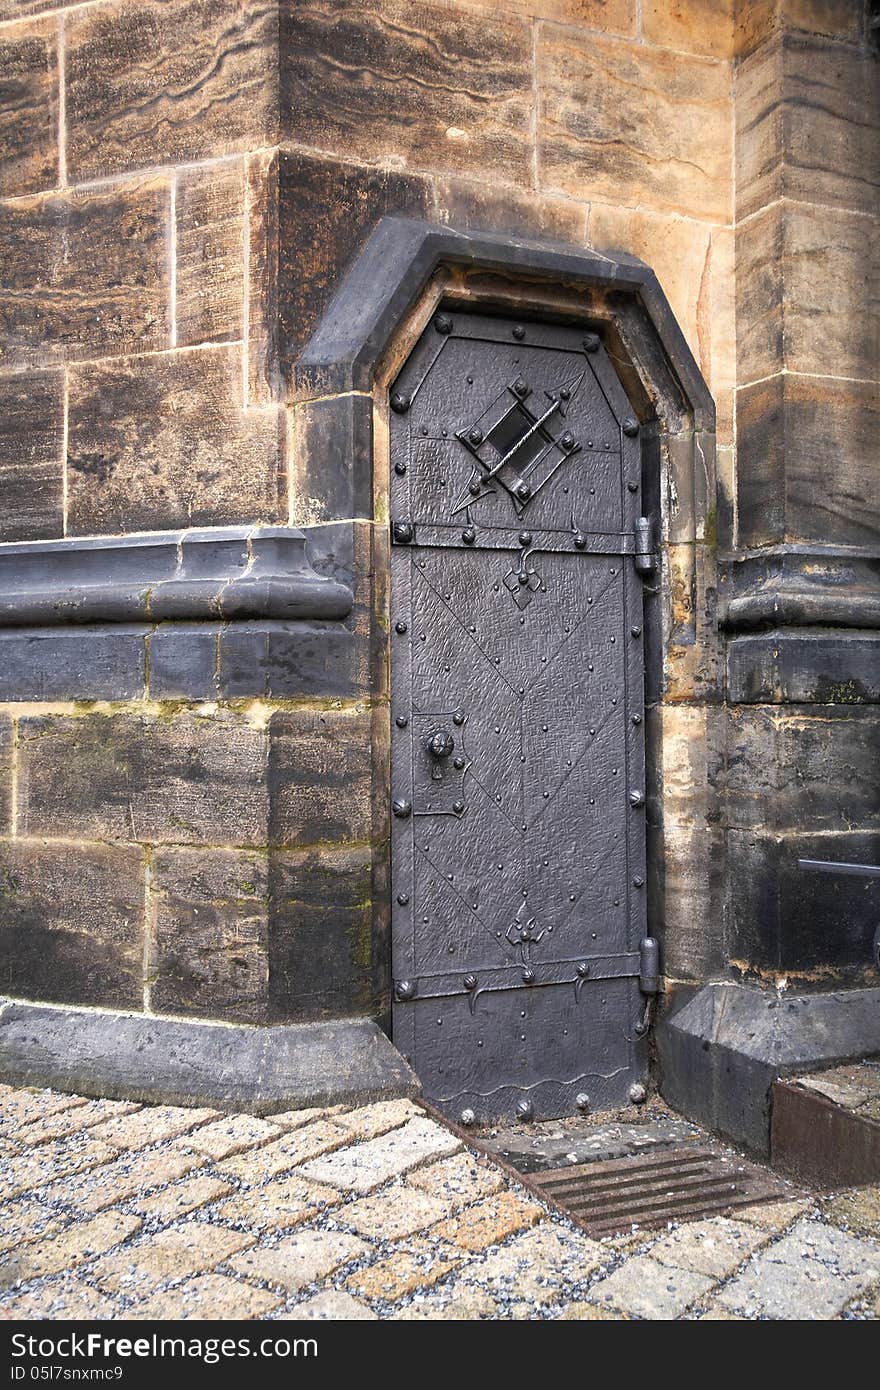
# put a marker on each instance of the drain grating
(676, 1184)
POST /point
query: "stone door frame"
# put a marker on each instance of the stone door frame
(403, 274)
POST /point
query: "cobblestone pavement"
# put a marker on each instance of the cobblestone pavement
(114, 1210)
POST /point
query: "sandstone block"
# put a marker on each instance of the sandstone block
(34, 1168)
(209, 206)
(299, 1260)
(210, 944)
(419, 1266)
(279, 1156)
(807, 120)
(149, 83)
(162, 441)
(312, 253)
(690, 26)
(71, 922)
(79, 1243)
(364, 1166)
(817, 267)
(207, 1296)
(320, 930)
(194, 1247)
(183, 779)
(433, 88)
(319, 777)
(633, 125)
(813, 1272)
(31, 464)
(488, 1222)
(805, 461)
(85, 274)
(278, 1205)
(645, 1289)
(28, 108)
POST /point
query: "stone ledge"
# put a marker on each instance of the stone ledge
(800, 586)
(222, 572)
(721, 1047)
(260, 1071)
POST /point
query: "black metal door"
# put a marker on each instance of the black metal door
(518, 841)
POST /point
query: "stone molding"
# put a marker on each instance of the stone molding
(800, 586)
(398, 260)
(182, 1062)
(223, 572)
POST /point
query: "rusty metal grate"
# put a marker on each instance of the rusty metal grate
(676, 1184)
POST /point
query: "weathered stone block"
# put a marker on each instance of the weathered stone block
(162, 441)
(183, 661)
(292, 660)
(819, 267)
(6, 742)
(209, 206)
(313, 252)
(807, 459)
(179, 778)
(71, 922)
(807, 125)
(431, 86)
(320, 933)
(210, 943)
(28, 108)
(679, 253)
(331, 464)
(685, 896)
(72, 663)
(31, 456)
(319, 777)
(485, 207)
(690, 26)
(826, 667)
(633, 125)
(158, 83)
(811, 770)
(615, 16)
(757, 20)
(815, 927)
(85, 274)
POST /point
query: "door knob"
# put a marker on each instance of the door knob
(440, 744)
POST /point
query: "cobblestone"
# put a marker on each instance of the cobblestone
(124, 1177)
(278, 1205)
(208, 1296)
(380, 1212)
(716, 1247)
(193, 1247)
(645, 1289)
(812, 1272)
(332, 1303)
(292, 1149)
(364, 1166)
(299, 1260)
(79, 1243)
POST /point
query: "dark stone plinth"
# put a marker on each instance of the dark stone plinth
(224, 572)
(258, 1070)
(721, 1047)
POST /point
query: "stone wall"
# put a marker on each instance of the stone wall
(189, 812)
(802, 739)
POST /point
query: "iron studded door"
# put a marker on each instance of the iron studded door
(518, 837)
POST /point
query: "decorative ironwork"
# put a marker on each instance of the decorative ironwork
(523, 747)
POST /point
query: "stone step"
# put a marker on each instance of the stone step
(825, 1126)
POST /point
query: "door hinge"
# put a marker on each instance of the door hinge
(643, 552)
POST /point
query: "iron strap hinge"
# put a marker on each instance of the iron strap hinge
(638, 543)
(578, 972)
